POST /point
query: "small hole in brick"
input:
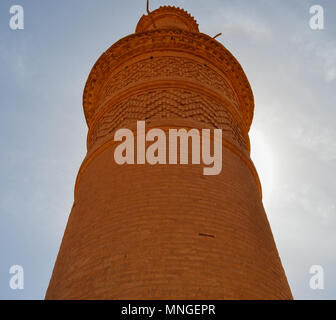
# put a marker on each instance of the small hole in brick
(206, 235)
(151, 58)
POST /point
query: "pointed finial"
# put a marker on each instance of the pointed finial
(149, 13)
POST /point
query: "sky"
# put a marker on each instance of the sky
(292, 72)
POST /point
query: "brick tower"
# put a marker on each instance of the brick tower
(167, 231)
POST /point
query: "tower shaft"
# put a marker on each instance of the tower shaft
(168, 231)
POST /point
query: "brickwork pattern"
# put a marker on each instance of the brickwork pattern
(168, 68)
(176, 41)
(168, 103)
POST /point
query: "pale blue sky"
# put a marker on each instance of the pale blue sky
(292, 71)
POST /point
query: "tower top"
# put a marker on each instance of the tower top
(172, 29)
(167, 17)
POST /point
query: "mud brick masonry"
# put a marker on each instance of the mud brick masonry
(167, 231)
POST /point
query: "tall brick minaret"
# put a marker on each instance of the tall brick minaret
(167, 231)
